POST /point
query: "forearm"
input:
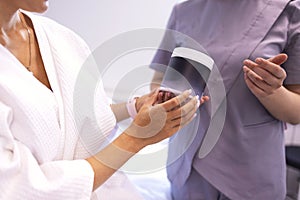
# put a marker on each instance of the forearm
(120, 111)
(111, 158)
(283, 105)
(152, 124)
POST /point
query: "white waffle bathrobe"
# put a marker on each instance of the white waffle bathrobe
(41, 154)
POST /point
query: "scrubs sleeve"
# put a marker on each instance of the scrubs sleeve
(292, 65)
(163, 54)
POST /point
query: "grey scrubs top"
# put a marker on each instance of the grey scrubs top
(248, 160)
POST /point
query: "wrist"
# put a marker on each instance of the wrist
(131, 107)
(129, 143)
(276, 94)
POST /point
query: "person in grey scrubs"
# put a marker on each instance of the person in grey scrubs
(256, 48)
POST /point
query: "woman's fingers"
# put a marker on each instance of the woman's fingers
(279, 59)
(254, 77)
(160, 97)
(164, 96)
(268, 66)
(204, 99)
(181, 122)
(184, 119)
(191, 106)
(176, 101)
(263, 76)
(152, 97)
(252, 86)
(272, 68)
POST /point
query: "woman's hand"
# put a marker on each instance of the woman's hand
(162, 96)
(155, 122)
(263, 77)
(265, 80)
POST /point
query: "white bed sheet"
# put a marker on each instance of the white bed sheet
(153, 186)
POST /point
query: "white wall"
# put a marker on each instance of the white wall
(292, 135)
(98, 21)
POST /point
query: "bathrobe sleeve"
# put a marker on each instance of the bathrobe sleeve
(22, 177)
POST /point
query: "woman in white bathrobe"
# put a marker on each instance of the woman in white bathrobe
(48, 148)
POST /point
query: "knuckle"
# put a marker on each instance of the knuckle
(173, 102)
(284, 74)
(278, 85)
(183, 112)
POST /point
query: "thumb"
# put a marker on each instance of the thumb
(279, 59)
(152, 97)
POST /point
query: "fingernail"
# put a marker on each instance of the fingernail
(259, 60)
(189, 91)
(195, 115)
